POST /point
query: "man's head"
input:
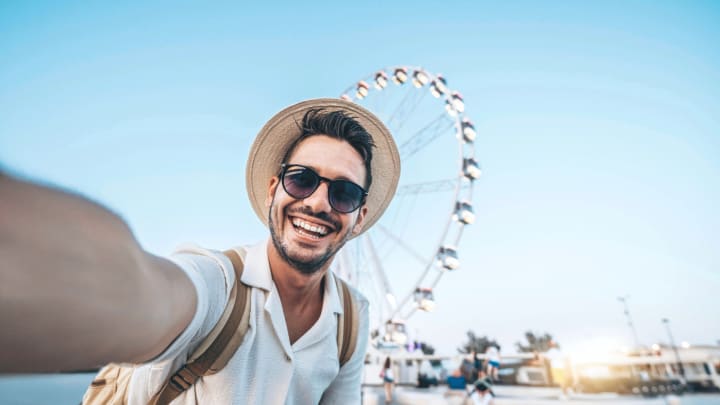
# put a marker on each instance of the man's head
(316, 202)
(482, 385)
(321, 181)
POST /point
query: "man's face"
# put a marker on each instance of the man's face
(307, 233)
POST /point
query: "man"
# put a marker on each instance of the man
(558, 368)
(481, 393)
(77, 291)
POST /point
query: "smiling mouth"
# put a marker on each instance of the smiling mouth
(308, 229)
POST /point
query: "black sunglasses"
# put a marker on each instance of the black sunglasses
(300, 182)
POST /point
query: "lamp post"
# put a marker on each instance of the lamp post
(629, 319)
(672, 343)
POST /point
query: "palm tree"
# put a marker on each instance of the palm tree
(536, 343)
(477, 344)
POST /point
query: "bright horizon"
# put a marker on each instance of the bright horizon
(597, 128)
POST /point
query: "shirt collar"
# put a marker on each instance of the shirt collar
(257, 274)
(257, 268)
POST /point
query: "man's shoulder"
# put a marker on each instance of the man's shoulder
(358, 296)
(203, 258)
(195, 251)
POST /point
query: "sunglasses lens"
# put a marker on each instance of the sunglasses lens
(300, 182)
(345, 196)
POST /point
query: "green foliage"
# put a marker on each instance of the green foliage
(536, 343)
(477, 344)
(427, 349)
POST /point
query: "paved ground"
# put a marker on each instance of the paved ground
(67, 389)
(512, 395)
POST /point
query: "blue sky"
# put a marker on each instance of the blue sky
(597, 133)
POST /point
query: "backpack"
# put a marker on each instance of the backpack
(110, 385)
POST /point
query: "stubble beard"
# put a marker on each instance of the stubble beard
(307, 267)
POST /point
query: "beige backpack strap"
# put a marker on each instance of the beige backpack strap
(347, 323)
(219, 346)
(237, 257)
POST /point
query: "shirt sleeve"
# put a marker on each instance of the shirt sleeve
(209, 275)
(346, 387)
(210, 278)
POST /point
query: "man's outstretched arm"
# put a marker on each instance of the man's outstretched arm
(76, 288)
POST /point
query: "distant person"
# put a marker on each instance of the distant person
(456, 380)
(492, 358)
(560, 373)
(482, 393)
(467, 368)
(552, 358)
(78, 291)
(481, 375)
(478, 366)
(457, 387)
(427, 375)
(388, 380)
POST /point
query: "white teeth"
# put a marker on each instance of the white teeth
(319, 229)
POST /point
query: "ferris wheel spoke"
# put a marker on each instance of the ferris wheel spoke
(429, 187)
(381, 276)
(408, 104)
(437, 279)
(398, 220)
(424, 136)
(402, 244)
(409, 313)
(407, 297)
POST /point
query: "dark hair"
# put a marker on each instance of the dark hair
(387, 362)
(338, 125)
(482, 385)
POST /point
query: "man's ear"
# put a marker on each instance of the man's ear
(358, 227)
(272, 187)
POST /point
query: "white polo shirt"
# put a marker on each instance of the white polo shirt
(266, 368)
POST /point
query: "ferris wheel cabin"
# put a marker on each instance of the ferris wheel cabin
(400, 75)
(438, 87)
(447, 258)
(381, 80)
(464, 213)
(395, 332)
(424, 299)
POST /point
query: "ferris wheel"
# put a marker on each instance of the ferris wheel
(400, 261)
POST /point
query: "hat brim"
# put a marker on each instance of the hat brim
(281, 130)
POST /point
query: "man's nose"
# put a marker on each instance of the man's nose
(318, 201)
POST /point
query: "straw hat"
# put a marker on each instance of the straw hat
(281, 130)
